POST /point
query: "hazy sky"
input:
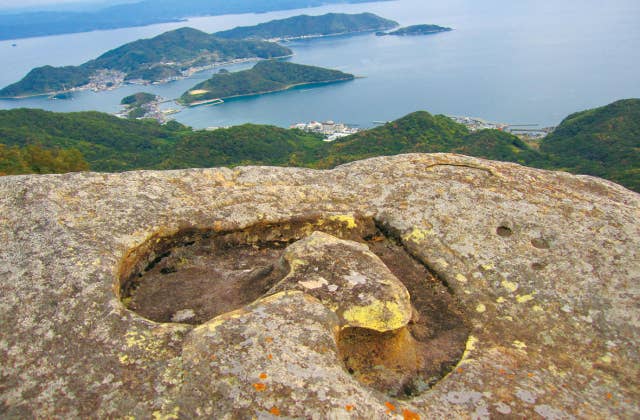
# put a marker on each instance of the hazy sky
(23, 4)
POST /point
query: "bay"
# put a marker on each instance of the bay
(528, 62)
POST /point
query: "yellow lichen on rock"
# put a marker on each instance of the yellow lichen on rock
(416, 235)
(510, 286)
(348, 219)
(378, 316)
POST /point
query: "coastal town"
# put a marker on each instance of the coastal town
(330, 129)
(522, 131)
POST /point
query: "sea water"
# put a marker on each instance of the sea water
(526, 62)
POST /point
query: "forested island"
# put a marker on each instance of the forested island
(416, 30)
(170, 55)
(305, 26)
(145, 12)
(604, 142)
(264, 77)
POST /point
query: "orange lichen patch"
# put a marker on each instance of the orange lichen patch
(270, 356)
(349, 407)
(609, 395)
(275, 411)
(390, 407)
(459, 370)
(263, 376)
(259, 386)
(268, 340)
(410, 415)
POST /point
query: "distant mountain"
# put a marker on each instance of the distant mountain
(604, 142)
(264, 77)
(162, 57)
(146, 12)
(307, 26)
(416, 30)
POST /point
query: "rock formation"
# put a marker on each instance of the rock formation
(433, 286)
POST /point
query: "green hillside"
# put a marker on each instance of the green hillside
(265, 76)
(304, 25)
(423, 132)
(604, 142)
(108, 143)
(146, 59)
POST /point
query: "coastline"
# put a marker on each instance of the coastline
(287, 87)
(185, 74)
(301, 37)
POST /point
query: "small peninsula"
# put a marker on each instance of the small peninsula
(305, 26)
(264, 77)
(416, 30)
(139, 105)
(171, 55)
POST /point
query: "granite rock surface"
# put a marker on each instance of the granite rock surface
(543, 266)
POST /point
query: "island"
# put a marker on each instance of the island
(169, 56)
(47, 21)
(305, 26)
(416, 30)
(139, 105)
(264, 77)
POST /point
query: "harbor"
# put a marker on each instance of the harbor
(523, 131)
(330, 129)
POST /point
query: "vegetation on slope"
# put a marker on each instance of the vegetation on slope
(602, 142)
(108, 143)
(423, 132)
(147, 59)
(35, 159)
(265, 76)
(304, 25)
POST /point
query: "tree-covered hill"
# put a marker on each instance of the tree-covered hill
(304, 25)
(604, 142)
(154, 59)
(265, 76)
(108, 143)
(423, 132)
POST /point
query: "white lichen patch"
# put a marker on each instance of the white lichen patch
(354, 278)
(314, 284)
(183, 315)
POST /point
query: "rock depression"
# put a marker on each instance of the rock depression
(432, 286)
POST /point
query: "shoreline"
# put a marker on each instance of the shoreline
(185, 75)
(288, 87)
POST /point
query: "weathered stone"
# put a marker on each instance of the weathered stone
(544, 265)
(348, 279)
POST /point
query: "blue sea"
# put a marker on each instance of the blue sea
(519, 62)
